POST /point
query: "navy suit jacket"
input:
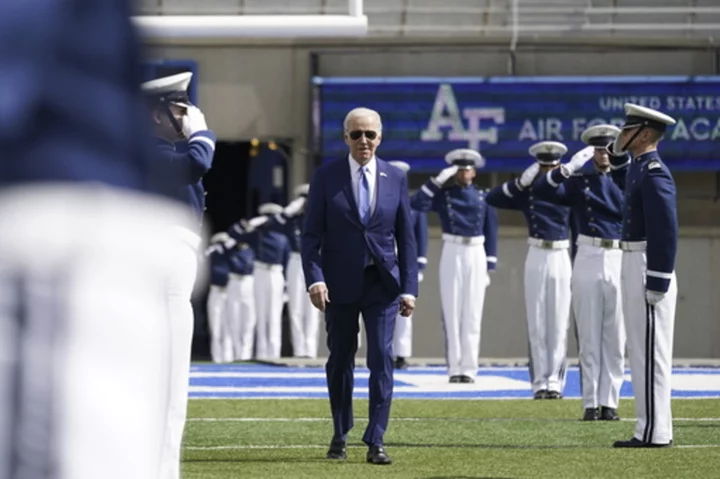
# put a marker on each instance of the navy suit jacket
(334, 239)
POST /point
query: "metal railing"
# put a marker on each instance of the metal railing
(514, 18)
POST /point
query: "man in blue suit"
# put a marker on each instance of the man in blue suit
(357, 211)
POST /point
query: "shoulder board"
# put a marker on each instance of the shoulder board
(653, 165)
(578, 174)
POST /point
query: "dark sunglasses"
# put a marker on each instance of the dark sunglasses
(356, 134)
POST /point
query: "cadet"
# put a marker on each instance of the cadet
(304, 317)
(547, 270)
(174, 119)
(402, 340)
(469, 252)
(649, 285)
(221, 344)
(596, 202)
(241, 298)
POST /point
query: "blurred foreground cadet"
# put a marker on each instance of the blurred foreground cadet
(649, 285)
(174, 119)
(469, 251)
(596, 200)
(402, 341)
(547, 270)
(84, 249)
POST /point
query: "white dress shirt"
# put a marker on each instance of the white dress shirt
(371, 174)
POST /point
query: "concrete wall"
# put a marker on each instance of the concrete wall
(262, 90)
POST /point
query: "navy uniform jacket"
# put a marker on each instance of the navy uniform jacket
(219, 264)
(270, 246)
(546, 221)
(420, 225)
(186, 169)
(290, 226)
(71, 107)
(595, 199)
(463, 211)
(241, 259)
(650, 214)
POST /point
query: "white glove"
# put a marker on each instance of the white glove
(653, 297)
(578, 160)
(421, 276)
(445, 175)
(229, 243)
(254, 223)
(294, 207)
(529, 175)
(193, 121)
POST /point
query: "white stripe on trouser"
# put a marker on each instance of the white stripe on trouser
(547, 303)
(241, 316)
(597, 307)
(269, 286)
(650, 345)
(463, 279)
(221, 346)
(304, 317)
(178, 293)
(107, 406)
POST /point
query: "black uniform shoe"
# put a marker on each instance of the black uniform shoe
(541, 394)
(466, 379)
(377, 455)
(638, 443)
(554, 395)
(591, 414)
(337, 450)
(400, 363)
(455, 379)
(608, 414)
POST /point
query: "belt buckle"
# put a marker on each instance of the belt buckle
(607, 243)
(465, 240)
(546, 244)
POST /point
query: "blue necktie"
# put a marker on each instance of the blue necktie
(364, 196)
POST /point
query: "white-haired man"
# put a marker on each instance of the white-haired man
(469, 251)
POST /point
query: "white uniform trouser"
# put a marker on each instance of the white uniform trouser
(241, 314)
(597, 306)
(304, 317)
(178, 293)
(269, 285)
(221, 344)
(547, 303)
(650, 332)
(84, 336)
(463, 279)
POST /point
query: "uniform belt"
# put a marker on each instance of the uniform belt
(599, 242)
(633, 245)
(268, 266)
(466, 240)
(188, 236)
(548, 244)
(238, 276)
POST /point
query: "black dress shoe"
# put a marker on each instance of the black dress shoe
(608, 414)
(466, 379)
(400, 363)
(554, 395)
(541, 394)
(337, 450)
(377, 455)
(591, 414)
(455, 379)
(638, 443)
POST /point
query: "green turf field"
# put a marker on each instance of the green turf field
(444, 439)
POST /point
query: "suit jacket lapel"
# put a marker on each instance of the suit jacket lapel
(347, 188)
(380, 178)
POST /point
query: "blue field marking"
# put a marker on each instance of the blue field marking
(248, 381)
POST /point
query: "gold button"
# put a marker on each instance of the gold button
(589, 209)
(532, 207)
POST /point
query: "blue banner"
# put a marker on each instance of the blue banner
(501, 117)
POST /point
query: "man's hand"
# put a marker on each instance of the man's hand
(407, 306)
(294, 207)
(421, 276)
(487, 279)
(319, 296)
(529, 175)
(445, 175)
(578, 160)
(653, 297)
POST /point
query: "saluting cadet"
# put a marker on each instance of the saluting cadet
(469, 252)
(304, 317)
(596, 202)
(221, 344)
(649, 285)
(175, 119)
(241, 298)
(547, 270)
(402, 340)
